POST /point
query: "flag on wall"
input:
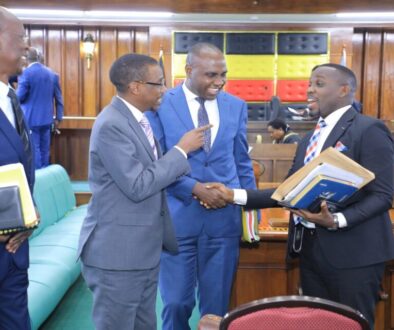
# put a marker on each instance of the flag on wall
(161, 63)
(343, 56)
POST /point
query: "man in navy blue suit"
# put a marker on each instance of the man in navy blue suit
(208, 238)
(342, 253)
(38, 91)
(14, 148)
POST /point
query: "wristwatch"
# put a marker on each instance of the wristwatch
(336, 223)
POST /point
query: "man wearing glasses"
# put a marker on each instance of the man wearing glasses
(128, 222)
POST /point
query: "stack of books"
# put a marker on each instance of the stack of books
(17, 211)
(331, 176)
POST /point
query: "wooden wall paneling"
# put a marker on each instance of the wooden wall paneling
(71, 72)
(79, 154)
(37, 38)
(141, 43)
(90, 95)
(54, 51)
(338, 38)
(358, 61)
(160, 38)
(126, 39)
(108, 53)
(372, 73)
(387, 82)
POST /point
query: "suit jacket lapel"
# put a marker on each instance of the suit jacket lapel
(181, 108)
(122, 108)
(340, 128)
(12, 135)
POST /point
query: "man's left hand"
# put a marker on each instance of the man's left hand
(324, 218)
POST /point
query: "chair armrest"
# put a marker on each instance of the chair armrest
(209, 322)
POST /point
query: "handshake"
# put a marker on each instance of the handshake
(213, 195)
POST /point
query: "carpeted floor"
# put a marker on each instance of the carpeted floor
(74, 311)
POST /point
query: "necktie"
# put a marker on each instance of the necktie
(21, 127)
(309, 155)
(202, 121)
(144, 122)
(312, 145)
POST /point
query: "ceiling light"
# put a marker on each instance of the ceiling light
(366, 15)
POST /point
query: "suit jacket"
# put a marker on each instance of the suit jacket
(38, 89)
(227, 162)
(128, 222)
(12, 151)
(368, 237)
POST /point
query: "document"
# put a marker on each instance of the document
(15, 195)
(331, 176)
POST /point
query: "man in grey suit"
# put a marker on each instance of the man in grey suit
(128, 222)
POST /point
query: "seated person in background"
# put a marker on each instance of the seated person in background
(280, 132)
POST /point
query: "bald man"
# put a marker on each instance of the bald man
(14, 250)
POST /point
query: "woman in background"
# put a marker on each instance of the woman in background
(280, 132)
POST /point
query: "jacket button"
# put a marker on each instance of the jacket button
(162, 213)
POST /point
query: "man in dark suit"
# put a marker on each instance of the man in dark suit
(208, 239)
(128, 222)
(38, 91)
(15, 147)
(343, 257)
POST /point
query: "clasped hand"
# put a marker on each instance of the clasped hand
(213, 195)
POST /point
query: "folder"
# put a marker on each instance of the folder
(323, 187)
(345, 176)
(17, 211)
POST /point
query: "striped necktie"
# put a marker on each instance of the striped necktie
(310, 154)
(203, 120)
(312, 146)
(21, 127)
(144, 122)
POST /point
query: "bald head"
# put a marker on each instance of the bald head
(12, 44)
(6, 17)
(201, 49)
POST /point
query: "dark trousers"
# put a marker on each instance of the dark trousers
(355, 287)
(42, 142)
(13, 293)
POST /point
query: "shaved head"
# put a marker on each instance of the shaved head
(12, 44)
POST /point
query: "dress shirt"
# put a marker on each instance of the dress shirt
(240, 195)
(212, 110)
(5, 103)
(138, 116)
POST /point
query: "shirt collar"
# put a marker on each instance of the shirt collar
(4, 88)
(135, 112)
(188, 93)
(334, 117)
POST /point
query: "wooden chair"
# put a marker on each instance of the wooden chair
(288, 313)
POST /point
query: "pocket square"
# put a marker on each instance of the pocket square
(340, 146)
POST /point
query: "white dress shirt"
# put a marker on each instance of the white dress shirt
(240, 195)
(212, 110)
(5, 103)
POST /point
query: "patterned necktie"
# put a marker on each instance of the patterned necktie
(312, 146)
(309, 155)
(144, 122)
(21, 127)
(203, 120)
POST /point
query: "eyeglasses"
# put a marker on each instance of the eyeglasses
(161, 84)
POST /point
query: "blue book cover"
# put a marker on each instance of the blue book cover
(323, 187)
